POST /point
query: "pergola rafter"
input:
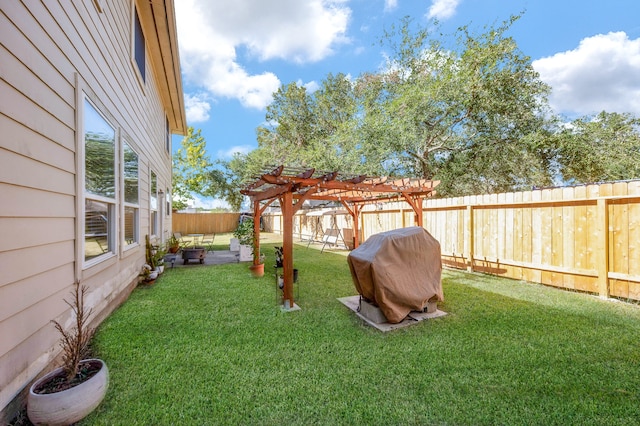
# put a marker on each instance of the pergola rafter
(292, 187)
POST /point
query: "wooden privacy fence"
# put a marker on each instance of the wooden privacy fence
(583, 238)
(204, 223)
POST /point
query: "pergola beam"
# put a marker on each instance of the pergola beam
(267, 194)
(327, 183)
(275, 172)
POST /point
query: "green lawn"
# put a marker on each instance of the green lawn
(208, 345)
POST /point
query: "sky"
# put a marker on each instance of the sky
(235, 54)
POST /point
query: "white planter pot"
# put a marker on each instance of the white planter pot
(234, 244)
(160, 269)
(153, 275)
(246, 253)
(68, 406)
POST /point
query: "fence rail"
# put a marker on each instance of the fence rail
(584, 238)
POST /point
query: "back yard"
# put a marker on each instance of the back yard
(209, 345)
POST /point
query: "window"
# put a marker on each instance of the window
(153, 204)
(131, 194)
(138, 44)
(168, 208)
(168, 137)
(99, 184)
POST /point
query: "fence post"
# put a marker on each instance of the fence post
(470, 238)
(602, 246)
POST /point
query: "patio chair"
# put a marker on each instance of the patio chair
(330, 238)
(207, 241)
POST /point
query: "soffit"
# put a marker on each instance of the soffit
(159, 25)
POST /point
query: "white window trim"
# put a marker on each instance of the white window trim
(154, 232)
(167, 201)
(167, 136)
(82, 94)
(125, 204)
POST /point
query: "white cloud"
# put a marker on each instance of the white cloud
(197, 107)
(443, 9)
(603, 73)
(390, 4)
(211, 34)
(311, 86)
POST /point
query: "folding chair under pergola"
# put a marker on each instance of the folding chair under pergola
(292, 187)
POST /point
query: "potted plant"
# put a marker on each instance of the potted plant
(173, 245)
(249, 250)
(154, 258)
(69, 393)
(158, 257)
(150, 253)
(244, 233)
(257, 268)
(148, 276)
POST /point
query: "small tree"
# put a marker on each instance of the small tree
(190, 164)
(75, 342)
(244, 232)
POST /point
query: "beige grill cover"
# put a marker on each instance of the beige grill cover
(398, 270)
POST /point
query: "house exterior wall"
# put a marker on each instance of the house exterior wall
(53, 55)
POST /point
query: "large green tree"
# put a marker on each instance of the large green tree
(313, 129)
(464, 115)
(601, 148)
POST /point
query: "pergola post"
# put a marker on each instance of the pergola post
(257, 214)
(256, 232)
(354, 212)
(356, 225)
(419, 217)
(416, 205)
(287, 248)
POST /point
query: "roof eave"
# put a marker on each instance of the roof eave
(159, 24)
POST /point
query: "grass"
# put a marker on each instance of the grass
(208, 345)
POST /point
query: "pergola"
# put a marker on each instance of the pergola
(292, 187)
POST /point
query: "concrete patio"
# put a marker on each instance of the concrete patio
(216, 257)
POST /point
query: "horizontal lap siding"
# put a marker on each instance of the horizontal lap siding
(44, 46)
(20, 139)
(37, 182)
